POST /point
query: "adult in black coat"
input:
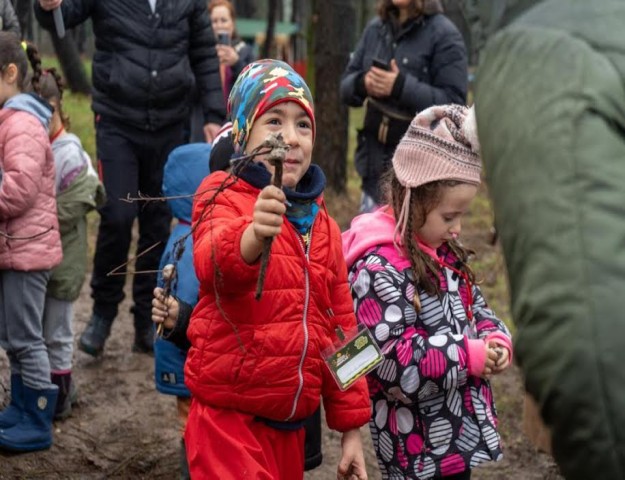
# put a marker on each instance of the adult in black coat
(234, 54)
(409, 58)
(149, 56)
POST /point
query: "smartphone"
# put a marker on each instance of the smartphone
(223, 39)
(380, 64)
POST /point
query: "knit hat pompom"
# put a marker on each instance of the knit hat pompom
(260, 86)
(441, 143)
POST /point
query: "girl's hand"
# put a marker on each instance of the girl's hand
(227, 55)
(48, 5)
(379, 83)
(491, 361)
(503, 358)
(352, 463)
(164, 309)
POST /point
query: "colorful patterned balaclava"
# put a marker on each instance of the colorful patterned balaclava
(260, 86)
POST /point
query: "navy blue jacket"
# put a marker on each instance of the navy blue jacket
(432, 60)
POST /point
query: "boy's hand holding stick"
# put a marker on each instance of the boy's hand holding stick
(276, 159)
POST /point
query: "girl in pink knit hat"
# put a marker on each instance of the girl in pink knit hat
(433, 412)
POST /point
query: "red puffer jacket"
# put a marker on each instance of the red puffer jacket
(27, 195)
(263, 357)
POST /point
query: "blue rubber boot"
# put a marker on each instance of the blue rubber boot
(34, 430)
(13, 413)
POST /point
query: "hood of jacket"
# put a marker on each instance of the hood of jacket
(367, 231)
(430, 7)
(33, 104)
(186, 167)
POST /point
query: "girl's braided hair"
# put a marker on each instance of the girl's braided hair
(51, 87)
(423, 199)
(20, 54)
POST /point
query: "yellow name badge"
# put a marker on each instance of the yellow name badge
(355, 356)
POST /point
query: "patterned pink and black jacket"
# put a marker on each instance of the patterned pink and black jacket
(433, 415)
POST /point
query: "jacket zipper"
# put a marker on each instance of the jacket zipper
(298, 394)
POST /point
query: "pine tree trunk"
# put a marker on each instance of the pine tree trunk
(331, 45)
(24, 11)
(271, 28)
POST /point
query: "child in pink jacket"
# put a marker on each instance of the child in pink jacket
(29, 247)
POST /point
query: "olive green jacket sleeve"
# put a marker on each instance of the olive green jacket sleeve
(550, 103)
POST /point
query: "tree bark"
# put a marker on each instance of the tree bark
(331, 45)
(271, 28)
(24, 11)
(71, 64)
(245, 8)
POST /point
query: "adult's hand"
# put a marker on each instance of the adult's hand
(50, 4)
(379, 82)
(227, 55)
(210, 131)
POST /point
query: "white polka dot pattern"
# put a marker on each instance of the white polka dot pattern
(410, 380)
(405, 420)
(381, 332)
(393, 314)
(361, 286)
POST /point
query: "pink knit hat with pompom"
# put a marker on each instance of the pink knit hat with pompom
(440, 144)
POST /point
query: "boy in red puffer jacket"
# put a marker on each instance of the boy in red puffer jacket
(255, 368)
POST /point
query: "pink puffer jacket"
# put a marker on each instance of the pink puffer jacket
(27, 195)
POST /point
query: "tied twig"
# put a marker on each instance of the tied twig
(276, 159)
(116, 271)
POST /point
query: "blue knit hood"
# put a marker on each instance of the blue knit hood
(185, 169)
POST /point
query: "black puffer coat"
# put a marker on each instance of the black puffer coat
(146, 64)
(432, 60)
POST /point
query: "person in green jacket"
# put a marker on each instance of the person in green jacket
(550, 107)
(78, 191)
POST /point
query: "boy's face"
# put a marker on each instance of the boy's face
(291, 120)
(443, 223)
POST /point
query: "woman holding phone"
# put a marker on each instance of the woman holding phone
(234, 53)
(410, 57)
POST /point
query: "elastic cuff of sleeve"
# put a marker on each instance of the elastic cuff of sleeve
(398, 86)
(359, 86)
(477, 356)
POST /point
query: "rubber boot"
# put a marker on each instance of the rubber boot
(34, 430)
(94, 337)
(12, 414)
(67, 395)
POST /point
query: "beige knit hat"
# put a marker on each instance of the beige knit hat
(440, 144)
